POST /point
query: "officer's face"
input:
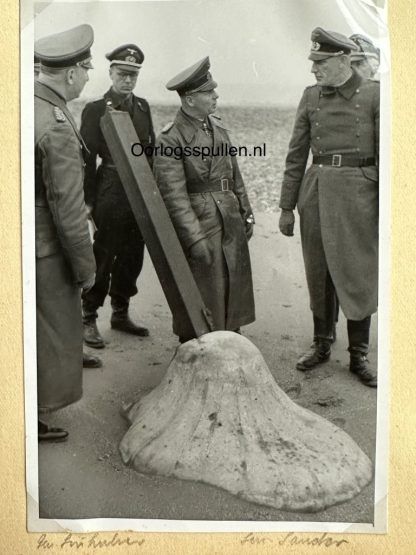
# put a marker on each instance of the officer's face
(363, 68)
(124, 80)
(204, 103)
(78, 77)
(328, 72)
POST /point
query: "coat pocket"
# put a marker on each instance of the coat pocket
(370, 172)
(198, 203)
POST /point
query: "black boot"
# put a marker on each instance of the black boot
(91, 361)
(358, 337)
(320, 350)
(120, 319)
(92, 336)
(45, 433)
(319, 353)
(360, 366)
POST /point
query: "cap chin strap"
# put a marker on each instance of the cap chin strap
(332, 54)
(124, 63)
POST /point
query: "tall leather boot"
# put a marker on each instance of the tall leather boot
(92, 336)
(320, 350)
(358, 339)
(120, 319)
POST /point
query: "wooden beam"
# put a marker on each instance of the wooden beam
(172, 268)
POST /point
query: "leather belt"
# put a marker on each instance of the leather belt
(108, 165)
(338, 160)
(223, 184)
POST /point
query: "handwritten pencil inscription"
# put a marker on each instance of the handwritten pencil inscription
(76, 542)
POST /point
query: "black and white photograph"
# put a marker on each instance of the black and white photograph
(206, 246)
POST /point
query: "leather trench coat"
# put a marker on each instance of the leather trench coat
(338, 206)
(220, 216)
(64, 254)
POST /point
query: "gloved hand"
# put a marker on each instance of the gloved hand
(201, 251)
(287, 222)
(87, 283)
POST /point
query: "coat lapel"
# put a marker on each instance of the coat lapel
(220, 137)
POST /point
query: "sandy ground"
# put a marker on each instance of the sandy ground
(85, 477)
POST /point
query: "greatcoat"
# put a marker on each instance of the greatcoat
(64, 254)
(338, 206)
(226, 286)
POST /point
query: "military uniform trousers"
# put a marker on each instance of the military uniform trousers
(118, 245)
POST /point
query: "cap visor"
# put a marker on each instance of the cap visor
(315, 57)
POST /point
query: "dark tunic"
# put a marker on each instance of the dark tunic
(118, 243)
(226, 286)
(338, 206)
(64, 255)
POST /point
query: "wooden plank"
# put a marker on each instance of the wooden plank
(172, 268)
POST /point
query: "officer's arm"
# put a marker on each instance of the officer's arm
(90, 132)
(241, 194)
(171, 180)
(62, 174)
(297, 156)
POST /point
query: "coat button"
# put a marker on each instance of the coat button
(318, 138)
(357, 91)
(316, 124)
(357, 120)
(357, 105)
(218, 202)
(320, 165)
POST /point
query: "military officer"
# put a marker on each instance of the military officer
(366, 60)
(337, 198)
(207, 201)
(65, 262)
(88, 360)
(118, 243)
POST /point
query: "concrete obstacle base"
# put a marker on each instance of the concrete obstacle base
(219, 417)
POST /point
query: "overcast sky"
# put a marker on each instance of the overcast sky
(258, 48)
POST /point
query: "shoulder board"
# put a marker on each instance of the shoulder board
(168, 127)
(59, 115)
(216, 117)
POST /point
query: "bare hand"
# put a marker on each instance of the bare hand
(287, 222)
(201, 252)
(249, 226)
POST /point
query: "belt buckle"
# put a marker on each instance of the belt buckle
(224, 184)
(336, 160)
